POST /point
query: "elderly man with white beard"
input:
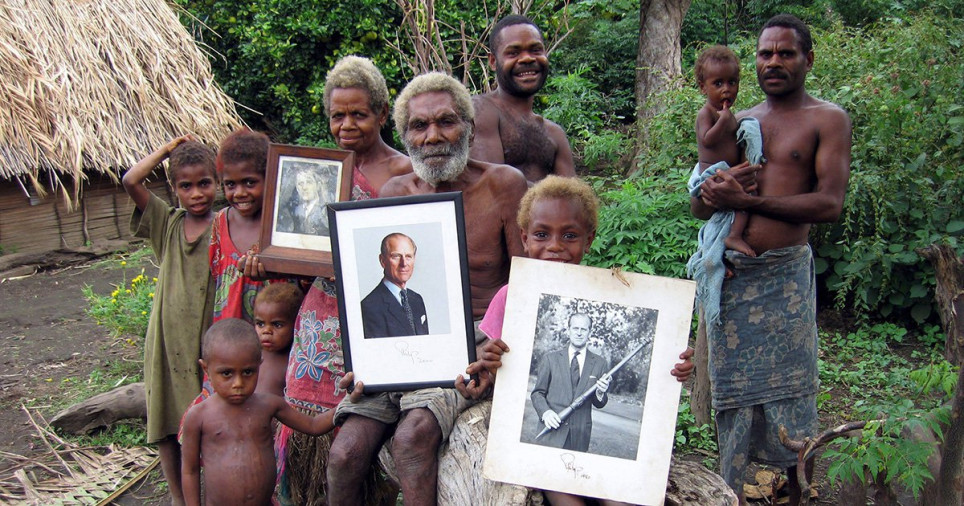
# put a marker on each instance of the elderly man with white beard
(435, 119)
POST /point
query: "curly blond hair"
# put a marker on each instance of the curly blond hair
(562, 188)
(425, 83)
(357, 72)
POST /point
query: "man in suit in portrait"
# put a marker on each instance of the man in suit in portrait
(391, 309)
(310, 213)
(561, 377)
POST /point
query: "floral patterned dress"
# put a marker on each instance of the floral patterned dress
(315, 366)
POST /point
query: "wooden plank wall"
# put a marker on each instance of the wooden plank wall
(40, 225)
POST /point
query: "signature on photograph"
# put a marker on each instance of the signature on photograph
(569, 463)
(403, 348)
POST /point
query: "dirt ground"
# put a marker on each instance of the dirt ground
(47, 338)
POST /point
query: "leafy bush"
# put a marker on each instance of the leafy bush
(272, 55)
(576, 104)
(605, 42)
(875, 383)
(882, 451)
(901, 84)
(645, 226)
(689, 436)
(127, 309)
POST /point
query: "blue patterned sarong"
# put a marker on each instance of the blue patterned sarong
(766, 348)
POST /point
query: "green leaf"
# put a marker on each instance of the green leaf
(920, 312)
(820, 265)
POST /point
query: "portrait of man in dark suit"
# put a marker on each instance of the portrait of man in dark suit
(391, 309)
(561, 377)
(309, 212)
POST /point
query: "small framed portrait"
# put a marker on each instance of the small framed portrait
(585, 402)
(300, 182)
(403, 290)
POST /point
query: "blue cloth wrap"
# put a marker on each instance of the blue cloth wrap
(706, 265)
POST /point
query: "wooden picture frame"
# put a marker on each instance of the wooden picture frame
(295, 237)
(425, 238)
(617, 447)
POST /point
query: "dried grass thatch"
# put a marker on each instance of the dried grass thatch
(96, 85)
(71, 475)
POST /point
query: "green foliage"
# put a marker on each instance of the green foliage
(689, 437)
(272, 55)
(939, 376)
(127, 434)
(901, 84)
(882, 452)
(576, 104)
(864, 364)
(604, 44)
(127, 309)
(873, 382)
(645, 226)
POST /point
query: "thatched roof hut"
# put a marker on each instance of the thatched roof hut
(94, 85)
(89, 87)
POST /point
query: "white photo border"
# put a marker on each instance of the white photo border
(638, 481)
(407, 362)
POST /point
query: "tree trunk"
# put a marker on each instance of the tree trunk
(949, 270)
(657, 59)
(701, 397)
(128, 401)
(460, 478)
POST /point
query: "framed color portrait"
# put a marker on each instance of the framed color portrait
(300, 182)
(585, 403)
(403, 290)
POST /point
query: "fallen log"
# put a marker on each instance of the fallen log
(128, 401)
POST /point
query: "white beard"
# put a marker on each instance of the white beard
(450, 170)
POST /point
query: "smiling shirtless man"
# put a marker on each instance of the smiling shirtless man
(507, 131)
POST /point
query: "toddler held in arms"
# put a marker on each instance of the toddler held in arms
(718, 76)
(232, 428)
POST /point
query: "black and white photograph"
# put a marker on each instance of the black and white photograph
(300, 182)
(584, 403)
(307, 186)
(402, 275)
(588, 376)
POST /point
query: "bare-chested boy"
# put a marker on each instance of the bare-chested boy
(232, 428)
(507, 131)
(275, 310)
(769, 305)
(433, 116)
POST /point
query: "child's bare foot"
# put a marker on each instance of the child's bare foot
(738, 244)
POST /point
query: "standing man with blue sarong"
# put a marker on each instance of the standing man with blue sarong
(763, 349)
